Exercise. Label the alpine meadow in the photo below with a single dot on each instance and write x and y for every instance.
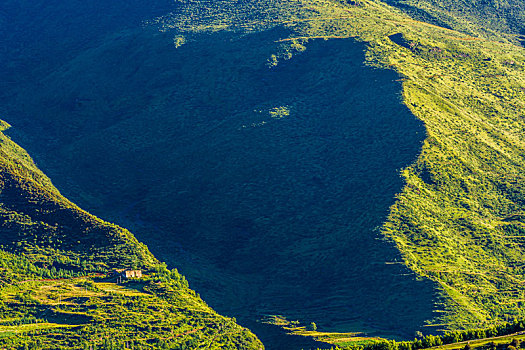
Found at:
(234, 174)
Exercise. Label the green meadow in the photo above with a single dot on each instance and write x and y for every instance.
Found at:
(354, 164)
(58, 288)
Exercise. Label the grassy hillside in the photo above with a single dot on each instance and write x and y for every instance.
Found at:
(248, 144)
(56, 288)
(215, 155)
(499, 336)
(458, 220)
(487, 19)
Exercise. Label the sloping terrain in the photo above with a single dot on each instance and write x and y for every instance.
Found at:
(458, 219)
(36, 219)
(55, 286)
(248, 144)
(263, 184)
(487, 19)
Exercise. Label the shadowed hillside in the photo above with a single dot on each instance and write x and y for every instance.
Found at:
(248, 144)
(489, 18)
(57, 290)
(272, 178)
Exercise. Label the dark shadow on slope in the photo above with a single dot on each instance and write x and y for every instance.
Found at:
(399, 39)
(264, 186)
(521, 38)
(38, 35)
(417, 13)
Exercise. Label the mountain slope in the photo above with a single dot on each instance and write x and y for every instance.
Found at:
(247, 144)
(221, 164)
(56, 287)
(488, 19)
(457, 222)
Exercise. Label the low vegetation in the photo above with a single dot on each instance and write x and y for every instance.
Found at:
(458, 223)
(496, 337)
(59, 272)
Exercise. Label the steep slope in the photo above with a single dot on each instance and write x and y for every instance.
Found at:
(489, 18)
(220, 137)
(458, 221)
(220, 164)
(56, 287)
(37, 219)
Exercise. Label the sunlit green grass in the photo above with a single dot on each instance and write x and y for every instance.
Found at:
(458, 221)
(455, 221)
(56, 287)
